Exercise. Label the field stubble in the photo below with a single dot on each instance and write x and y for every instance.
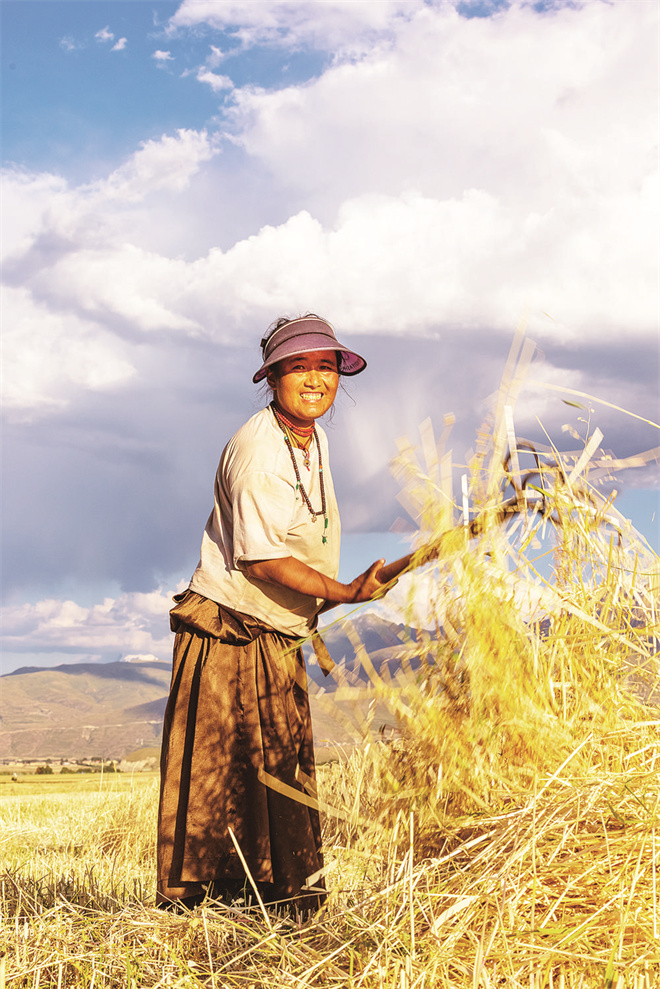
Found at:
(507, 837)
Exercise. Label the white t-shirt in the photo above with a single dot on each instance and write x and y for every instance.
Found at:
(259, 515)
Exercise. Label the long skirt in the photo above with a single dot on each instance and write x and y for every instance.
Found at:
(237, 758)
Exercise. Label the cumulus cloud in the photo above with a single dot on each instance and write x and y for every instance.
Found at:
(48, 357)
(117, 628)
(471, 193)
(168, 163)
(555, 156)
(125, 282)
(120, 45)
(44, 206)
(407, 264)
(161, 56)
(558, 125)
(325, 24)
(46, 218)
(70, 271)
(404, 264)
(26, 199)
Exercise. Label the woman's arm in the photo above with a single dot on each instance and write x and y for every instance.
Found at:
(297, 576)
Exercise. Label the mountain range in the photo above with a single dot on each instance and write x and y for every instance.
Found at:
(87, 710)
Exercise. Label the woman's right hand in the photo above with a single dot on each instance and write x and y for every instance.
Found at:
(367, 585)
(297, 576)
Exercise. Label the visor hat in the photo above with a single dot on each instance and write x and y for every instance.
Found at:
(304, 336)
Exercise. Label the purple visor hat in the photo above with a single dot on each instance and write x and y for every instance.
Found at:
(303, 336)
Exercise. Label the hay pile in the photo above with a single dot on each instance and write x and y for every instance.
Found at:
(522, 796)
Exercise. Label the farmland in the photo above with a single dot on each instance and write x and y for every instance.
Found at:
(556, 888)
(506, 836)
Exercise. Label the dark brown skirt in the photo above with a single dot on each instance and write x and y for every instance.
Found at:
(237, 751)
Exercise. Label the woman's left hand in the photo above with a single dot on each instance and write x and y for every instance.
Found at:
(367, 585)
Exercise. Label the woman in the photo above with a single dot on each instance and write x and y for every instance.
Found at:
(237, 765)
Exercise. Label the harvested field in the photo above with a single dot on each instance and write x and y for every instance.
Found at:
(507, 836)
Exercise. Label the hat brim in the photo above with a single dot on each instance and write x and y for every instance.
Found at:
(349, 363)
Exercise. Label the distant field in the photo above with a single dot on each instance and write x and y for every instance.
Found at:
(70, 783)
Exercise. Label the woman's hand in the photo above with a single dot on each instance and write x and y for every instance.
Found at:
(367, 585)
(296, 575)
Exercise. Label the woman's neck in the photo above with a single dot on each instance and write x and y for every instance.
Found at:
(298, 426)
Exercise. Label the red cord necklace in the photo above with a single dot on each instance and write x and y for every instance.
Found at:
(302, 435)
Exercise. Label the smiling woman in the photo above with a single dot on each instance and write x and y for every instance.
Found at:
(305, 386)
(237, 765)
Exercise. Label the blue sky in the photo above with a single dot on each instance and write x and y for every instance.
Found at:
(177, 175)
(90, 102)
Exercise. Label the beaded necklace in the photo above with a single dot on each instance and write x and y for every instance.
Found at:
(281, 421)
(300, 436)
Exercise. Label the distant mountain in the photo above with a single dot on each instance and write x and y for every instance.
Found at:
(84, 710)
(81, 710)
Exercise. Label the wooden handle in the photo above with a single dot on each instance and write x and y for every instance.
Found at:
(410, 562)
(392, 570)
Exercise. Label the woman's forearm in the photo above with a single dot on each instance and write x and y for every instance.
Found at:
(297, 576)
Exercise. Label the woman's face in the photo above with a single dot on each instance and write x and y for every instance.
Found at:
(304, 386)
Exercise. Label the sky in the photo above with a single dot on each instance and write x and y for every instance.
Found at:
(423, 174)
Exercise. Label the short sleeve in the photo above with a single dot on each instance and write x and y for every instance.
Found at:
(263, 506)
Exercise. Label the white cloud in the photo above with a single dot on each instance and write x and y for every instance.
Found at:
(72, 274)
(399, 264)
(212, 79)
(105, 34)
(540, 181)
(48, 356)
(120, 45)
(440, 191)
(69, 44)
(129, 625)
(161, 56)
(25, 200)
(124, 285)
(41, 206)
(216, 57)
(325, 24)
(166, 164)
(412, 263)
(573, 116)
(205, 73)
